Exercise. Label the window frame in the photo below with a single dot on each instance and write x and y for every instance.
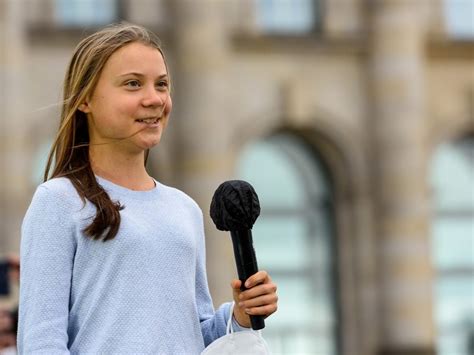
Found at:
(326, 206)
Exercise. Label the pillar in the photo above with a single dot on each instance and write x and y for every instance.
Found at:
(400, 175)
(12, 123)
(200, 122)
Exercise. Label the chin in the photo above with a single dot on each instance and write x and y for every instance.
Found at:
(149, 142)
(149, 145)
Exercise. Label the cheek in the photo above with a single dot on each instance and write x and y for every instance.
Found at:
(169, 105)
(126, 105)
(117, 102)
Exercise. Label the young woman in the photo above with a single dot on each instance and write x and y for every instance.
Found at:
(113, 261)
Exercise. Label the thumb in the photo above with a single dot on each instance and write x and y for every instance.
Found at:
(235, 284)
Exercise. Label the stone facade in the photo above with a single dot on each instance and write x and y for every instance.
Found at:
(375, 90)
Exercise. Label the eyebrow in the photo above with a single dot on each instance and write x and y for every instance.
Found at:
(142, 75)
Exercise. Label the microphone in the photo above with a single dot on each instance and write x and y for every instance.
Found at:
(234, 208)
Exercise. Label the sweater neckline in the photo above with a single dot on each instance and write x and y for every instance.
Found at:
(115, 189)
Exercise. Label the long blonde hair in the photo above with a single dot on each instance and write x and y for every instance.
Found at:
(69, 155)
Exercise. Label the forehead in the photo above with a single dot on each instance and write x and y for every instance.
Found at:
(135, 57)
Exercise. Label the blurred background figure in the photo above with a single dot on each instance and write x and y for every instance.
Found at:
(9, 277)
(353, 120)
(7, 336)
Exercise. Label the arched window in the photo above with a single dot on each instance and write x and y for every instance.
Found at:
(71, 13)
(459, 18)
(287, 16)
(294, 239)
(452, 180)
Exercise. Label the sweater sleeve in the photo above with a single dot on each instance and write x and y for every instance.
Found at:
(47, 252)
(213, 323)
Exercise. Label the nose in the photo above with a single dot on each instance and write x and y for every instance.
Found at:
(153, 98)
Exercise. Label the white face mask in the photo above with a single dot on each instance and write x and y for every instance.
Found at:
(248, 342)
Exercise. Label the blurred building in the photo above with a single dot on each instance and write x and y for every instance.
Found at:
(353, 119)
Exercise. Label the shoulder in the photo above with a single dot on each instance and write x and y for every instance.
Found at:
(57, 192)
(55, 207)
(57, 184)
(180, 197)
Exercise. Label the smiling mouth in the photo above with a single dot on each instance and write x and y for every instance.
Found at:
(150, 120)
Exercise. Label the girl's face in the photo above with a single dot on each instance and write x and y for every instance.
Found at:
(131, 103)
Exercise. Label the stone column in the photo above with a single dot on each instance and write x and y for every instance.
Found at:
(13, 124)
(3, 44)
(12, 127)
(200, 122)
(400, 175)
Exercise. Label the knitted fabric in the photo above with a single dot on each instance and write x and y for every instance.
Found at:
(144, 292)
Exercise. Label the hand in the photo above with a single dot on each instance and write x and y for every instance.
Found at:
(260, 298)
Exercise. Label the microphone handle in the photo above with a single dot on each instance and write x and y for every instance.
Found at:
(246, 262)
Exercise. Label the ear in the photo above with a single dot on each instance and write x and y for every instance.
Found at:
(84, 107)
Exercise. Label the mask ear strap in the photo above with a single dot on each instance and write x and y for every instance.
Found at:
(229, 329)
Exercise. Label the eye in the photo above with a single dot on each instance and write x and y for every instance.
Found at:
(163, 84)
(134, 84)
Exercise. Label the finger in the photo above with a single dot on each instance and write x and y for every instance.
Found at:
(262, 289)
(265, 310)
(257, 278)
(259, 301)
(235, 284)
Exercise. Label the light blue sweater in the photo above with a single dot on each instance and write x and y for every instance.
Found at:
(144, 292)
